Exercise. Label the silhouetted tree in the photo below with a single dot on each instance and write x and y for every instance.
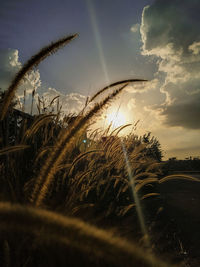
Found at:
(153, 148)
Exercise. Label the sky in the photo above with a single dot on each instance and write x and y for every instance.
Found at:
(157, 40)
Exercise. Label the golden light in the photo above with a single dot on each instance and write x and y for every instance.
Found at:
(116, 119)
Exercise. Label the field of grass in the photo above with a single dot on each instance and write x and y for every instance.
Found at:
(69, 196)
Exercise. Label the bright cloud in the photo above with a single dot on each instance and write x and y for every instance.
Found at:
(71, 103)
(195, 48)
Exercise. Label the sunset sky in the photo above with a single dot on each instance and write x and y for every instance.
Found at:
(158, 40)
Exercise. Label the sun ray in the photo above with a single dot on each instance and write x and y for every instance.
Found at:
(98, 40)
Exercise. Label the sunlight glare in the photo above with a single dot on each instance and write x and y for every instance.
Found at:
(116, 119)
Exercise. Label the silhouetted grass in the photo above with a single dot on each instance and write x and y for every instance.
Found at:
(45, 164)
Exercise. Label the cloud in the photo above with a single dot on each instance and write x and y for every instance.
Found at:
(170, 32)
(71, 103)
(135, 28)
(131, 104)
(195, 48)
(9, 66)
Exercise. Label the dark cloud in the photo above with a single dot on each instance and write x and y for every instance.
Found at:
(170, 30)
(174, 22)
(183, 114)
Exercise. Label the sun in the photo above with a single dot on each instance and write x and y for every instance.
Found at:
(116, 119)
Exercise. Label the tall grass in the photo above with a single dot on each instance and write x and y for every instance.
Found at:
(48, 166)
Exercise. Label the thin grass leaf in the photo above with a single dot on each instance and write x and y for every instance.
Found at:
(51, 103)
(39, 122)
(154, 165)
(115, 129)
(82, 176)
(83, 155)
(150, 195)
(119, 179)
(126, 209)
(143, 175)
(64, 166)
(42, 152)
(178, 177)
(80, 207)
(123, 127)
(12, 149)
(107, 130)
(145, 182)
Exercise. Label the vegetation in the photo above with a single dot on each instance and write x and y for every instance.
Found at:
(50, 175)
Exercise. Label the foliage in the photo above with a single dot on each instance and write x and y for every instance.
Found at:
(153, 148)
